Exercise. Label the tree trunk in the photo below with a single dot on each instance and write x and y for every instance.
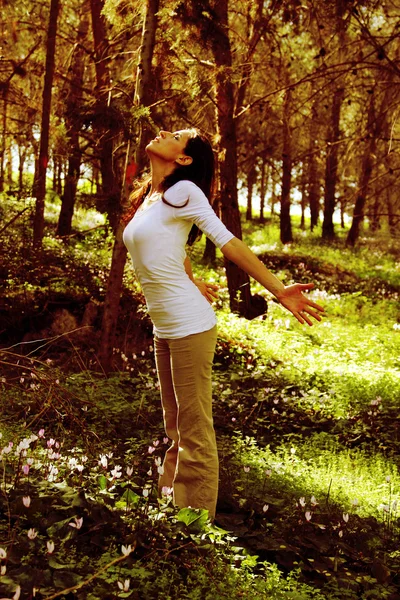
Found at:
(328, 230)
(263, 189)
(365, 175)
(142, 94)
(73, 103)
(285, 222)
(251, 179)
(22, 152)
(3, 138)
(40, 175)
(303, 192)
(210, 253)
(274, 197)
(238, 280)
(9, 167)
(389, 204)
(313, 180)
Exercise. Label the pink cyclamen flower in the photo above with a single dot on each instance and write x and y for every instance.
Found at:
(41, 433)
(302, 502)
(3, 553)
(345, 517)
(126, 550)
(145, 493)
(129, 471)
(246, 469)
(151, 449)
(166, 491)
(124, 586)
(165, 440)
(3, 569)
(32, 533)
(25, 469)
(265, 507)
(50, 546)
(26, 500)
(308, 515)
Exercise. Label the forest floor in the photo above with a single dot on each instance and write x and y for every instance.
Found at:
(306, 419)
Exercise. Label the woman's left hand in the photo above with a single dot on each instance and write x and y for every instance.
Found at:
(299, 305)
(209, 290)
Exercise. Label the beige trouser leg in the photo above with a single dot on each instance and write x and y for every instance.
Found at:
(191, 463)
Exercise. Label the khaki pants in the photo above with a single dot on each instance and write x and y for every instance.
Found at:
(191, 463)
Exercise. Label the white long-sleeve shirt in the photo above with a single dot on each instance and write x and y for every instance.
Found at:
(156, 239)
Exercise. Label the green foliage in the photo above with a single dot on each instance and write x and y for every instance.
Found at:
(306, 424)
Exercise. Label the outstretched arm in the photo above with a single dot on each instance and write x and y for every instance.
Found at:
(208, 290)
(291, 296)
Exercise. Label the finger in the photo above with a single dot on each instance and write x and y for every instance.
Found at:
(313, 314)
(304, 318)
(213, 294)
(316, 306)
(305, 286)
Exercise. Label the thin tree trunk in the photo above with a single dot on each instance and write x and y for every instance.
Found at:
(238, 280)
(40, 175)
(263, 189)
(365, 175)
(3, 138)
(9, 167)
(274, 197)
(391, 220)
(313, 181)
(285, 222)
(21, 162)
(251, 179)
(114, 287)
(73, 103)
(332, 158)
(303, 192)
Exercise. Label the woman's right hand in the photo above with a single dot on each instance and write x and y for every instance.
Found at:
(208, 290)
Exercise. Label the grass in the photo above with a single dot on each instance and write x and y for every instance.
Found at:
(306, 423)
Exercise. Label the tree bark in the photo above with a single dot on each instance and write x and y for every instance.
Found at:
(285, 222)
(40, 174)
(332, 158)
(263, 189)
(142, 94)
(251, 179)
(365, 175)
(238, 281)
(73, 105)
(313, 179)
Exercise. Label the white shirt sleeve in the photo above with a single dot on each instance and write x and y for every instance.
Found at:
(191, 204)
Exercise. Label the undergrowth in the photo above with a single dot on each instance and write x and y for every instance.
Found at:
(306, 419)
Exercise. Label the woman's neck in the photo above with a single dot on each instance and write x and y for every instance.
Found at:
(159, 171)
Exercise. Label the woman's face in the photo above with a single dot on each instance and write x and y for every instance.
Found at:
(170, 146)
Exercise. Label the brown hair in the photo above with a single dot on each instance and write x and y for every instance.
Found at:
(200, 171)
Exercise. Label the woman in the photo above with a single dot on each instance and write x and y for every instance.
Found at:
(170, 207)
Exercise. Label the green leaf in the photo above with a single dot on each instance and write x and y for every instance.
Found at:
(66, 579)
(194, 518)
(54, 529)
(56, 565)
(130, 497)
(102, 481)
